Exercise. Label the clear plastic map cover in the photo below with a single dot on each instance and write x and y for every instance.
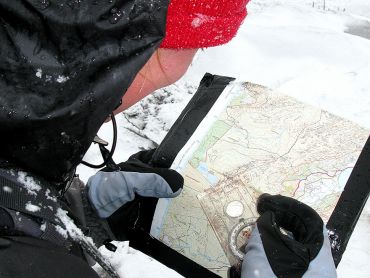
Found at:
(254, 140)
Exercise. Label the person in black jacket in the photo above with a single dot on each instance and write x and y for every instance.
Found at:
(64, 67)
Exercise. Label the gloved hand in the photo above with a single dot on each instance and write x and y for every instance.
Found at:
(109, 191)
(302, 250)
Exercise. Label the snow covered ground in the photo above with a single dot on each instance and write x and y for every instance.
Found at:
(319, 56)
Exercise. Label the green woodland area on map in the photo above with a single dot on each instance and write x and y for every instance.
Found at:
(217, 131)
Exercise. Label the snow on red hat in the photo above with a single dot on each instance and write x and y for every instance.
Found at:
(203, 23)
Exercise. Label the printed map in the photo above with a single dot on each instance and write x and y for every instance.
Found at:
(254, 140)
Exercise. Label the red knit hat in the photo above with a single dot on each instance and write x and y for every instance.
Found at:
(203, 23)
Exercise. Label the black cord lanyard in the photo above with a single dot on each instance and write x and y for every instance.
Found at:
(111, 152)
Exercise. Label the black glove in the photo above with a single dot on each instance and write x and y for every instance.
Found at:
(289, 241)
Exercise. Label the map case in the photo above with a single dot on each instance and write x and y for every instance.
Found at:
(251, 140)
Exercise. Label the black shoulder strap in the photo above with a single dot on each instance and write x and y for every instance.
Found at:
(38, 201)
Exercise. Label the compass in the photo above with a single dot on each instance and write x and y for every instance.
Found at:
(240, 235)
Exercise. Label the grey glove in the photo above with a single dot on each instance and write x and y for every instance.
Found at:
(109, 191)
(300, 249)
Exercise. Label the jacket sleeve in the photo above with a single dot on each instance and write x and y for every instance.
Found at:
(30, 257)
(203, 23)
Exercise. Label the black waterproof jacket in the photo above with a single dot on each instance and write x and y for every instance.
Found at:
(64, 67)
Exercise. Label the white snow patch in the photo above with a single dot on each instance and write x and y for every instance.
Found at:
(131, 263)
(28, 182)
(62, 78)
(32, 208)
(201, 19)
(48, 78)
(334, 239)
(7, 189)
(49, 197)
(39, 73)
(61, 231)
(11, 172)
(72, 230)
(43, 227)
